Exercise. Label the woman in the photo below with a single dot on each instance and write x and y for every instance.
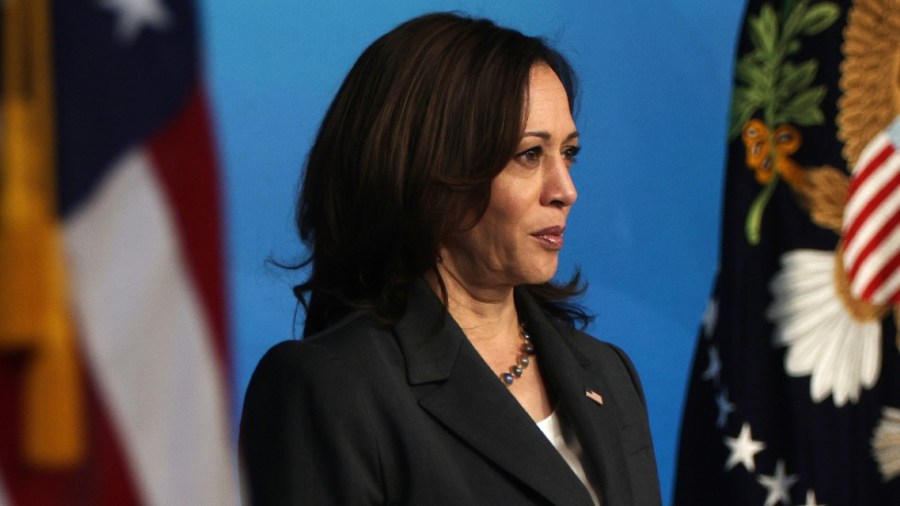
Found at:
(441, 365)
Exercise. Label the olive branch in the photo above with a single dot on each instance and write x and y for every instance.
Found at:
(778, 87)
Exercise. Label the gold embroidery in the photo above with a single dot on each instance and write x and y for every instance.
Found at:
(870, 74)
(825, 196)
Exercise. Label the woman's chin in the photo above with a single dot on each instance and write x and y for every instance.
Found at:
(541, 275)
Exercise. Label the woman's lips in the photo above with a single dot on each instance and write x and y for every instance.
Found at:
(550, 237)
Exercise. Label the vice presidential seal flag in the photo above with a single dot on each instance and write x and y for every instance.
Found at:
(795, 391)
(113, 350)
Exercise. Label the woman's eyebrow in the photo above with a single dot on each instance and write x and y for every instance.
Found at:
(543, 134)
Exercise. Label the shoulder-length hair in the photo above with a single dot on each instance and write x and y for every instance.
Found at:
(429, 114)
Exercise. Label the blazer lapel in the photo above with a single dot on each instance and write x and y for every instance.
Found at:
(461, 391)
(567, 374)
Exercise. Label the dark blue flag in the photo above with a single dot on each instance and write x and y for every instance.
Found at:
(795, 390)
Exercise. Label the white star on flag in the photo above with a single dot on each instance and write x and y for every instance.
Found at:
(134, 15)
(725, 407)
(743, 449)
(715, 365)
(811, 499)
(710, 318)
(778, 485)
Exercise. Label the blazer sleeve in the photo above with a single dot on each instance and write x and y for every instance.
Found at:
(304, 433)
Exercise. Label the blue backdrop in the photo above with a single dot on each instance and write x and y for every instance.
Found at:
(655, 80)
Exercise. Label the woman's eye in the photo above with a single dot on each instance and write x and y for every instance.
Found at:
(571, 153)
(531, 155)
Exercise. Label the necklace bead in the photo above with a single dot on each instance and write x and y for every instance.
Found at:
(516, 370)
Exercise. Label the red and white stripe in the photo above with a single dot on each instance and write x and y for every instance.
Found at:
(152, 322)
(872, 221)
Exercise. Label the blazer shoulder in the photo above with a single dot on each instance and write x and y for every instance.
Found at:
(306, 433)
(327, 353)
(593, 348)
(605, 356)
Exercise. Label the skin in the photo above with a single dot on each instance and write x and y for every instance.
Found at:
(518, 239)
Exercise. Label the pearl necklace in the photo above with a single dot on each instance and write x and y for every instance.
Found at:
(522, 361)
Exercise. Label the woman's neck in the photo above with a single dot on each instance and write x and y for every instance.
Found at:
(483, 313)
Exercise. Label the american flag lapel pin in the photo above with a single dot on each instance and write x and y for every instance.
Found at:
(594, 396)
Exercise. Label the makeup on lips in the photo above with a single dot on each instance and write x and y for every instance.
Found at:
(550, 237)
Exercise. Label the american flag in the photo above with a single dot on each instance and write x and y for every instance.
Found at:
(114, 369)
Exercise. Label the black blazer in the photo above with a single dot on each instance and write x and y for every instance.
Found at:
(365, 413)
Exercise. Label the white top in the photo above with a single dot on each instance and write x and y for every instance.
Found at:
(566, 443)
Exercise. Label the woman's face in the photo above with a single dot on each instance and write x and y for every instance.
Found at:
(518, 239)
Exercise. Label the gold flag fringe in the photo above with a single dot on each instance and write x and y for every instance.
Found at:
(34, 310)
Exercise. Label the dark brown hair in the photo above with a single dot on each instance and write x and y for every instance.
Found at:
(429, 114)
